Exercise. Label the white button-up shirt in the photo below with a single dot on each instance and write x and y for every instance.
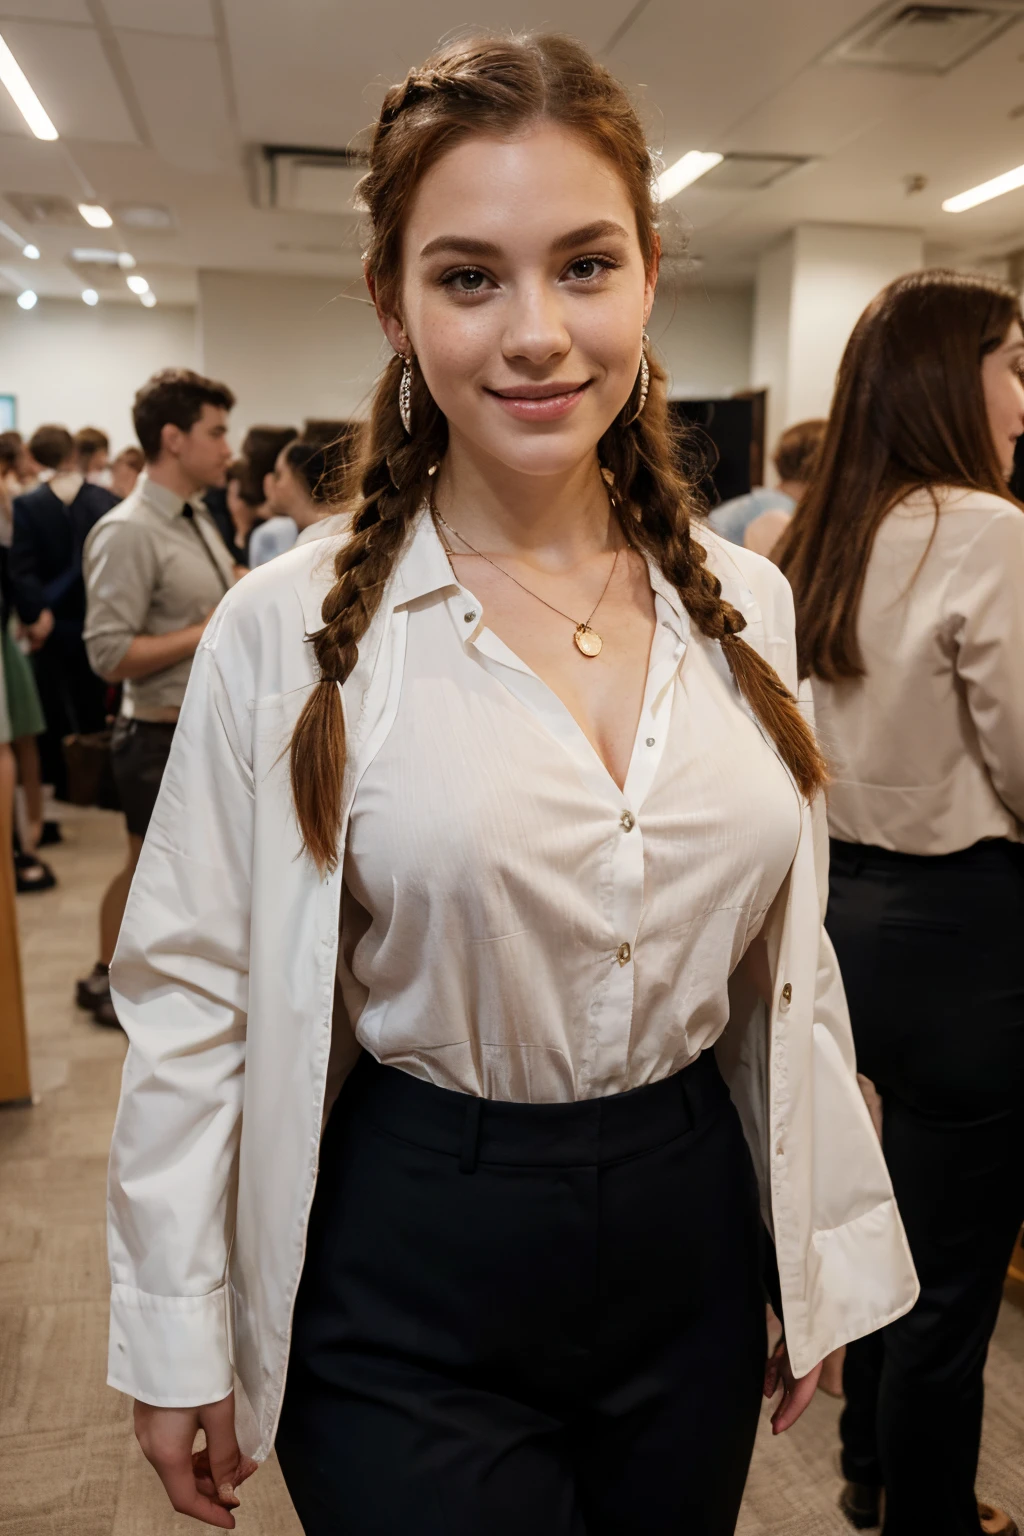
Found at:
(514, 924)
(225, 979)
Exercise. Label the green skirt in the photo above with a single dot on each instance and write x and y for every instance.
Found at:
(23, 706)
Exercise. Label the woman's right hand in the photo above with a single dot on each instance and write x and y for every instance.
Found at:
(198, 1483)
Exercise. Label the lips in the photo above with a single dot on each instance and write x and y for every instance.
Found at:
(551, 391)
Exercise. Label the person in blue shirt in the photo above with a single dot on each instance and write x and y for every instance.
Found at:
(758, 519)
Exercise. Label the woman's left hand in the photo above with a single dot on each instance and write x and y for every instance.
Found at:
(796, 1392)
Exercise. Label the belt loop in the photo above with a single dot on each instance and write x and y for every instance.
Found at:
(471, 1135)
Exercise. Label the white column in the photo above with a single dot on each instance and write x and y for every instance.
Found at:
(812, 287)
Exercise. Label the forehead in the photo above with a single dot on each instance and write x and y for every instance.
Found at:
(519, 193)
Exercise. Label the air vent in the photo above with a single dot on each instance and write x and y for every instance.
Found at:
(925, 39)
(151, 217)
(748, 173)
(38, 208)
(307, 180)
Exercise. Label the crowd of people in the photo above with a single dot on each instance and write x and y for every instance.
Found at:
(98, 624)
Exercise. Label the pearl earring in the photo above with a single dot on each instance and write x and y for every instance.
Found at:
(645, 378)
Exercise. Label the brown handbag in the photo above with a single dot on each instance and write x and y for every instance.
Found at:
(90, 770)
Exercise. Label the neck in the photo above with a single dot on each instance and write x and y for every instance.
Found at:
(791, 488)
(503, 511)
(169, 474)
(304, 512)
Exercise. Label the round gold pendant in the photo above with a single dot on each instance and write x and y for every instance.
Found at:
(588, 641)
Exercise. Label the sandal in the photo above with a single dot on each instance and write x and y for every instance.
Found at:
(31, 874)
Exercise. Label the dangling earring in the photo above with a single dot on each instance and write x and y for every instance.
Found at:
(645, 378)
(405, 395)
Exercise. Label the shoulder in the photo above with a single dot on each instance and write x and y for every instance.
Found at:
(97, 498)
(30, 501)
(125, 527)
(743, 572)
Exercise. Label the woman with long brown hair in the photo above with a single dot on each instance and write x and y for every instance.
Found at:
(906, 559)
(498, 807)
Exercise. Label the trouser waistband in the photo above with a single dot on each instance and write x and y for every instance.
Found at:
(586, 1132)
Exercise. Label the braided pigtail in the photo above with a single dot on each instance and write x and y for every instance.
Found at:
(393, 476)
(643, 457)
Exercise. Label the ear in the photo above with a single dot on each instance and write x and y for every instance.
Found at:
(268, 483)
(391, 325)
(651, 280)
(170, 439)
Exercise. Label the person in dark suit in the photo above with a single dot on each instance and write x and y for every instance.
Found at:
(50, 527)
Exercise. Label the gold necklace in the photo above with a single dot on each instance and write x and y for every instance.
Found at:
(586, 640)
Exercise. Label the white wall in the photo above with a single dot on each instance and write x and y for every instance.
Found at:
(289, 347)
(704, 336)
(80, 367)
(811, 289)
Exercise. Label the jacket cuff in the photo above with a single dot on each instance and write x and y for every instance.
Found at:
(170, 1351)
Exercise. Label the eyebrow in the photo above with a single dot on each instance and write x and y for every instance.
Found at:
(464, 245)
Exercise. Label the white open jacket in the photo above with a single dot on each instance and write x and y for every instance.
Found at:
(224, 980)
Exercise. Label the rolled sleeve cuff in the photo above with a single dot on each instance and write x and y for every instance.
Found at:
(170, 1351)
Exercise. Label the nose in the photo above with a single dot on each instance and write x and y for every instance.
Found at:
(535, 329)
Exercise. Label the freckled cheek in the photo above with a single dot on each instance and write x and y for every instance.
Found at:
(456, 350)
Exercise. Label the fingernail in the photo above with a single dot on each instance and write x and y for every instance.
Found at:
(226, 1494)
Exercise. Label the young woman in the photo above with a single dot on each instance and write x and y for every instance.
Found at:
(295, 499)
(907, 561)
(506, 795)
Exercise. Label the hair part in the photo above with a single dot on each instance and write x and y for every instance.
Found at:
(174, 397)
(908, 414)
(501, 87)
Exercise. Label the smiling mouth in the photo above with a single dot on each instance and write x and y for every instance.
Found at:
(539, 391)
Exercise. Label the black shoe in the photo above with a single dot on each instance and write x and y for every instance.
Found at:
(94, 990)
(105, 1015)
(51, 834)
(861, 1503)
(31, 874)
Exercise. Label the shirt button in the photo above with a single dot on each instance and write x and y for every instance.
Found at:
(470, 617)
(623, 954)
(787, 995)
(650, 741)
(628, 821)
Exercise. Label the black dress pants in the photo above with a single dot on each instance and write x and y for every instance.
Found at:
(527, 1320)
(73, 699)
(932, 956)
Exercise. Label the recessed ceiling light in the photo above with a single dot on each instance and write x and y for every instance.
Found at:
(31, 252)
(137, 284)
(125, 260)
(27, 299)
(93, 214)
(685, 171)
(986, 191)
(148, 299)
(90, 296)
(24, 97)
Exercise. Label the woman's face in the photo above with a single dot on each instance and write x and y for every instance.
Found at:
(1004, 394)
(524, 297)
(281, 487)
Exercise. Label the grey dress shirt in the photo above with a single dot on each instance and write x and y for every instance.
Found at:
(149, 570)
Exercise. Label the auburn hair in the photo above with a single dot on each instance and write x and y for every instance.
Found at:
(909, 414)
(501, 86)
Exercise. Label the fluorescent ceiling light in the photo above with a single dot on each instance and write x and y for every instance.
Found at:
(23, 96)
(27, 299)
(1008, 182)
(90, 296)
(31, 252)
(137, 284)
(693, 165)
(148, 299)
(93, 214)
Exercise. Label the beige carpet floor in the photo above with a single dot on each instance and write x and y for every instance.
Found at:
(69, 1465)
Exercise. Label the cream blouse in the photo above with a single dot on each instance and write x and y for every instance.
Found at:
(927, 749)
(516, 926)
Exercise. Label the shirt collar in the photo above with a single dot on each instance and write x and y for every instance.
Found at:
(169, 503)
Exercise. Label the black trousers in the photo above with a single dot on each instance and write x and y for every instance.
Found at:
(932, 956)
(138, 756)
(527, 1320)
(73, 699)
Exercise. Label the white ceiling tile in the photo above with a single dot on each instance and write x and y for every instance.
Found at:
(181, 91)
(45, 10)
(179, 18)
(69, 73)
